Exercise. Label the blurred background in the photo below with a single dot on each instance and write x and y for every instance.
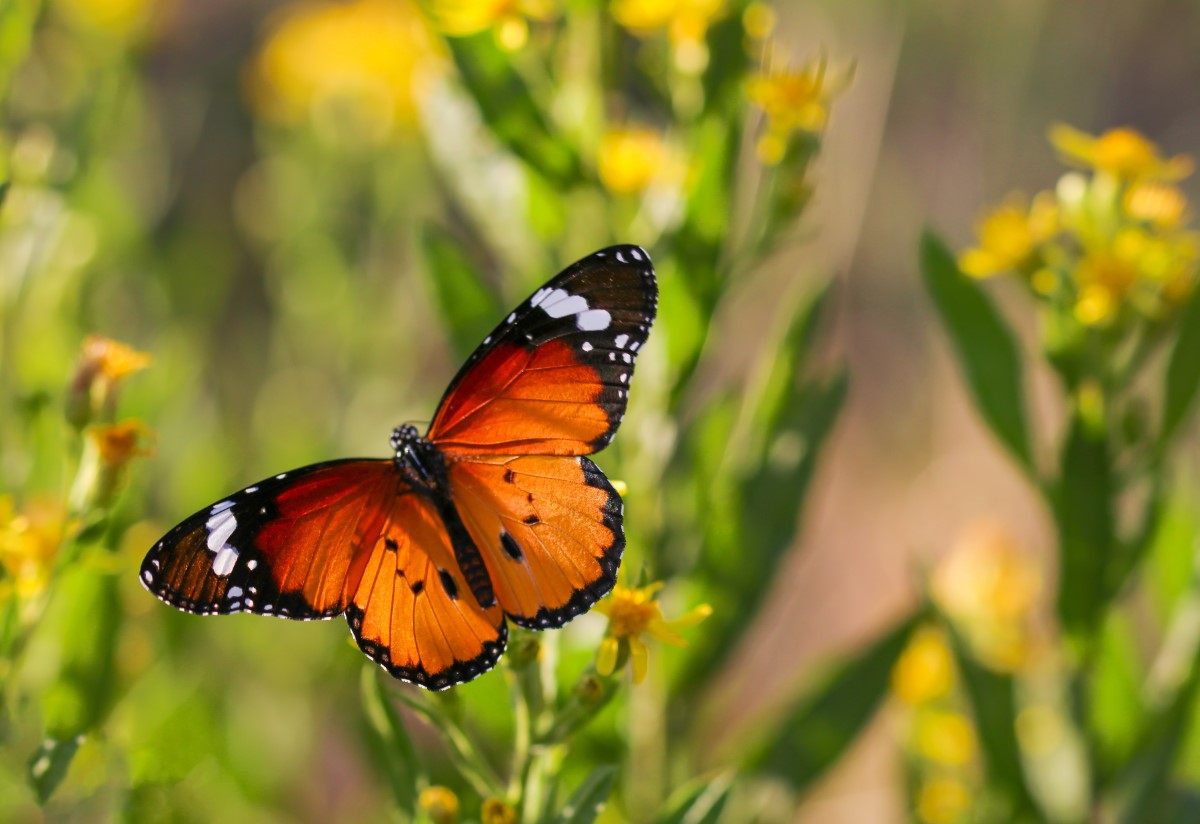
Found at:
(183, 182)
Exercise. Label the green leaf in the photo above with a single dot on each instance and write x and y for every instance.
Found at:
(508, 107)
(393, 749)
(814, 733)
(728, 60)
(993, 704)
(1183, 372)
(984, 345)
(587, 802)
(1140, 792)
(466, 302)
(1116, 707)
(87, 615)
(49, 765)
(1084, 517)
(698, 802)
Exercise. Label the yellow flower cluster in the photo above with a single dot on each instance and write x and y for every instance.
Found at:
(29, 542)
(636, 158)
(941, 739)
(633, 612)
(1110, 246)
(507, 18)
(365, 61)
(991, 589)
(793, 100)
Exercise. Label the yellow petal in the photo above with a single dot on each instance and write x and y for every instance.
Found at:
(606, 657)
(639, 656)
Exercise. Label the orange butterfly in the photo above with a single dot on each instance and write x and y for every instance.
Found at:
(493, 513)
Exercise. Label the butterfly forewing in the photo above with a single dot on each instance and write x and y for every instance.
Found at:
(291, 545)
(553, 378)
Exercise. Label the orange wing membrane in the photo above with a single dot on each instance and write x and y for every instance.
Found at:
(494, 512)
(413, 611)
(553, 378)
(291, 545)
(549, 530)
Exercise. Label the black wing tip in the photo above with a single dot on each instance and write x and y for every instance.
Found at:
(459, 673)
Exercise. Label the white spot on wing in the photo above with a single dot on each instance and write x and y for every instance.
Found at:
(250, 490)
(539, 296)
(221, 507)
(586, 347)
(234, 592)
(225, 561)
(220, 526)
(619, 258)
(251, 564)
(636, 253)
(512, 316)
(559, 304)
(593, 320)
(147, 576)
(621, 340)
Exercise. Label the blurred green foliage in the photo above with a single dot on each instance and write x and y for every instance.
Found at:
(308, 223)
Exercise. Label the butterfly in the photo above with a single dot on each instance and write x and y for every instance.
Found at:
(495, 514)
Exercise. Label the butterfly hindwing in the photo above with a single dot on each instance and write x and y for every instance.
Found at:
(549, 529)
(287, 546)
(413, 611)
(553, 378)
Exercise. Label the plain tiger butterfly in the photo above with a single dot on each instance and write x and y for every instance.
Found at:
(494, 514)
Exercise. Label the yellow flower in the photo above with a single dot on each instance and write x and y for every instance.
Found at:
(495, 811)
(107, 451)
(29, 542)
(943, 800)
(634, 158)
(793, 100)
(944, 737)
(925, 670)
(322, 61)
(633, 612)
(460, 18)
(440, 803)
(120, 19)
(1009, 236)
(1123, 152)
(685, 21)
(103, 365)
(991, 589)
(1159, 203)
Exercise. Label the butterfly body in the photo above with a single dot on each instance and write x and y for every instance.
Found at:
(495, 514)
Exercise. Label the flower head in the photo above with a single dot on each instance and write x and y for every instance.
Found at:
(633, 159)
(440, 804)
(793, 100)
(107, 452)
(1010, 236)
(29, 543)
(495, 811)
(103, 366)
(1123, 153)
(507, 18)
(633, 612)
(684, 21)
(925, 670)
(324, 61)
(991, 588)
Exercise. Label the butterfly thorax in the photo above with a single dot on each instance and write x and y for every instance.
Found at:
(419, 461)
(422, 465)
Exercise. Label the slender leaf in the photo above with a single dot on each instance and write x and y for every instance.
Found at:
(509, 108)
(587, 802)
(1183, 372)
(984, 345)
(1084, 516)
(818, 729)
(698, 802)
(49, 765)
(466, 302)
(1140, 792)
(393, 748)
(993, 703)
